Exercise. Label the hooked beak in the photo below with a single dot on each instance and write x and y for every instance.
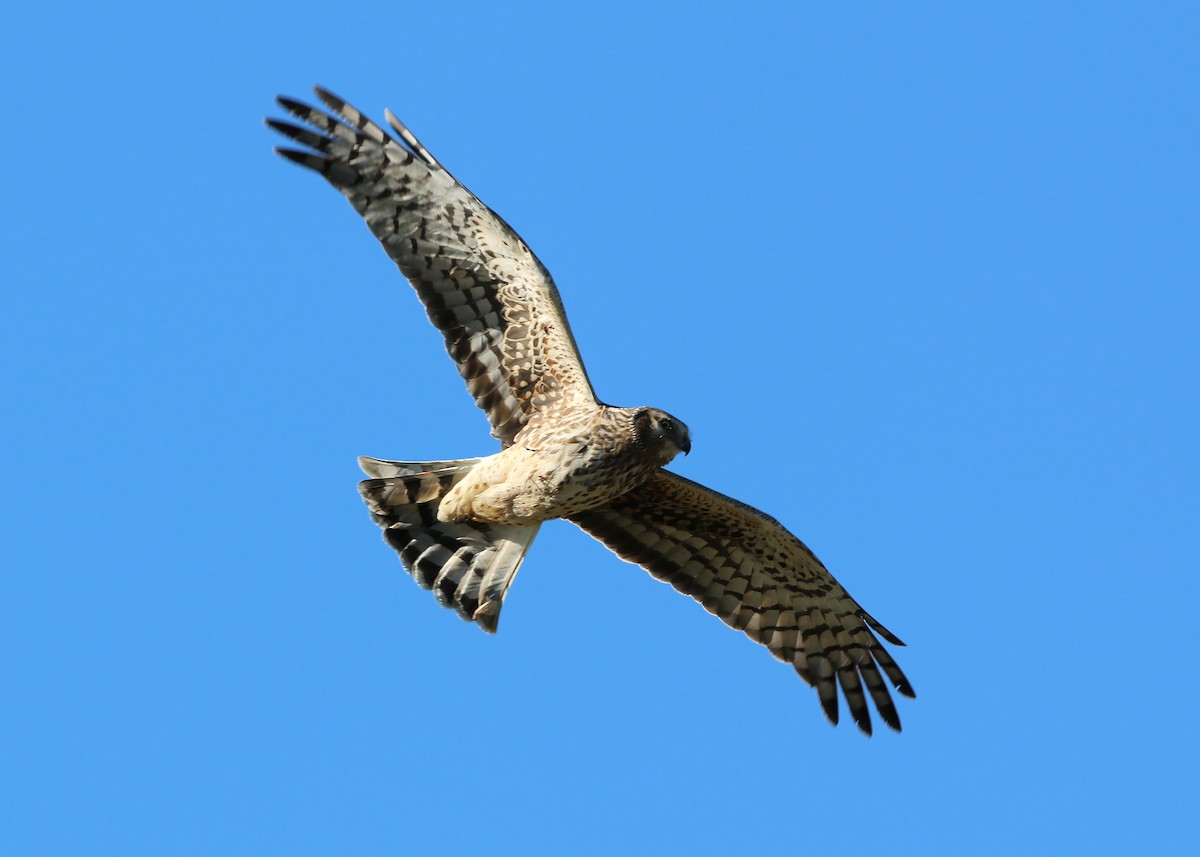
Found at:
(685, 442)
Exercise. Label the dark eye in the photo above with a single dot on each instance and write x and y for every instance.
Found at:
(667, 426)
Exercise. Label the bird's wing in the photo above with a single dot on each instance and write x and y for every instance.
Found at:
(483, 288)
(744, 567)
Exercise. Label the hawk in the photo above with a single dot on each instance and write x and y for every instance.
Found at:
(462, 527)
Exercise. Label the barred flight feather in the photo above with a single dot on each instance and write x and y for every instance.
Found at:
(745, 568)
(469, 565)
(494, 302)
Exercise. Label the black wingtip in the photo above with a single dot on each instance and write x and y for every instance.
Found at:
(830, 707)
(339, 175)
(888, 714)
(287, 129)
(303, 136)
(291, 105)
(330, 99)
(304, 159)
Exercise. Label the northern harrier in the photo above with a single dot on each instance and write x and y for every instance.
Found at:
(463, 527)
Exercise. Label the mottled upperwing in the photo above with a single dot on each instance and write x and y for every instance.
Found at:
(744, 567)
(493, 301)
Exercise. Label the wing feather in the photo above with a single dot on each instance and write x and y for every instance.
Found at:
(757, 577)
(493, 301)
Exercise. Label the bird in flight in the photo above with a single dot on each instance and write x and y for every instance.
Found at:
(462, 527)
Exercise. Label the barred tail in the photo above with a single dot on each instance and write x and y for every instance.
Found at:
(468, 565)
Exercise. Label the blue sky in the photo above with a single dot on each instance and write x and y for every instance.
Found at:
(922, 281)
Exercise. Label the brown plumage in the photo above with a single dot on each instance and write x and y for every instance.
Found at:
(463, 527)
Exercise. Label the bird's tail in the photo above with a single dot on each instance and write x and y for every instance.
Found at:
(468, 565)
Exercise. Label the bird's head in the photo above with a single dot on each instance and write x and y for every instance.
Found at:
(662, 434)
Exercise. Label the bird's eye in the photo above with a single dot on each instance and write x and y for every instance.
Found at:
(667, 426)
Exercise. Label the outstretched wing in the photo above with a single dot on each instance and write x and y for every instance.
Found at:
(744, 567)
(493, 301)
